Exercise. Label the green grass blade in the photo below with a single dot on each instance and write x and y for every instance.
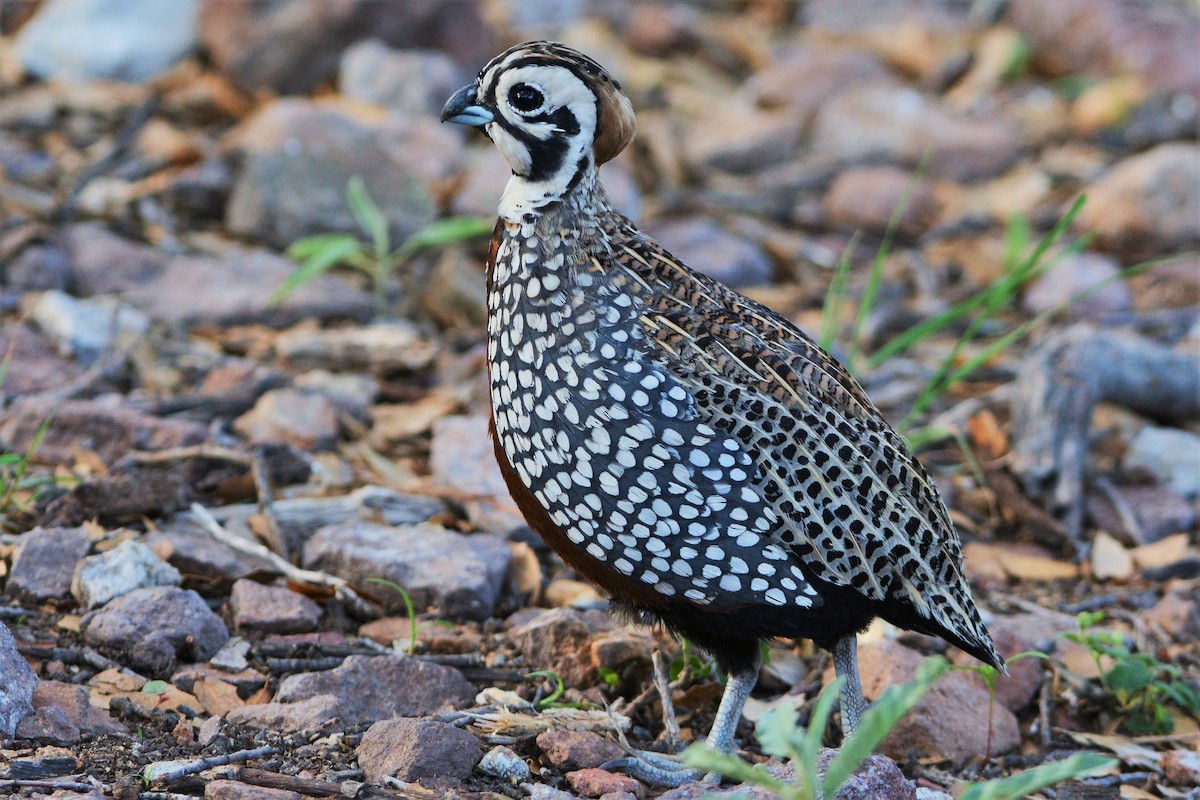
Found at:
(875, 278)
(320, 257)
(1018, 272)
(702, 757)
(878, 722)
(451, 230)
(1026, 783)
(835, 295)
(368, 216)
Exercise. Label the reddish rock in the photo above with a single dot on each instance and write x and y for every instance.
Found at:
(271, 609)
(1148, 204)
(1177, 613)
(111, 432)
(1016, 690)
(1182, 767)
(302, 419)
(949, 723)
(627, 653)
(598, 782)
(63, 715)
(412, 749)
(866, 198)
(557, 639)
(461, 457)
(235, 790)
(577, 749)
(877, 779)
(872, 123)
(1107, 38)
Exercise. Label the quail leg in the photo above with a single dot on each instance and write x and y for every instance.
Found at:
(845, 666)
(662, 770)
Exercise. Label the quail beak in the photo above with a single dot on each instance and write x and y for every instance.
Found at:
(462, 109)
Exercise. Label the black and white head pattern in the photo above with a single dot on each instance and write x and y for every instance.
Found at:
(558, 115)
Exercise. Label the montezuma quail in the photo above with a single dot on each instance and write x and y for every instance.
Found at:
(685, 448)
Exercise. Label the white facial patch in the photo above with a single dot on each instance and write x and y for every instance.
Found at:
(560, 89)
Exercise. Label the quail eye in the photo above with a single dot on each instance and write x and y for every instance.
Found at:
(525, 98)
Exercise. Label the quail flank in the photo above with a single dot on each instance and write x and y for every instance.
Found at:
(683, 447)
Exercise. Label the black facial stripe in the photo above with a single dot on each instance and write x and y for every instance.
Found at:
(546, 156)
(562, 118)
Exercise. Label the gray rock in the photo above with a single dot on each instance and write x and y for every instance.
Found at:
(705, 246)
(1070, 278)
(128, 566)
(105, 263)
(868, 123)
(44, 563)
(382, 348)
(34, 363)
(86, 327)
(271, 609)
(409, 81)
(1147, 204)
(303, 715)
(460, 575)
(123, 40)
(298, 156)
(238, 289)
(1172, 455)
(369, 688)
(305, 420)
(931, 794)
(38, 268)
(17, 684)
(152, 630)
(877, 779)
(194, 552)
(501, 762)
(826, 71)
(292, 47)
(411, 749)
(111, 432)
(63, 715)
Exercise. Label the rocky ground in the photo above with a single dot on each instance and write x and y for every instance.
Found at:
(200, 484)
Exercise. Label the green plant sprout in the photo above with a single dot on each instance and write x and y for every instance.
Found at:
(551, 700)
(15, 466)
(693, 663)
(780, 735)
(990, 675)
(1137, 686)
(408, 606)
(374, 256)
